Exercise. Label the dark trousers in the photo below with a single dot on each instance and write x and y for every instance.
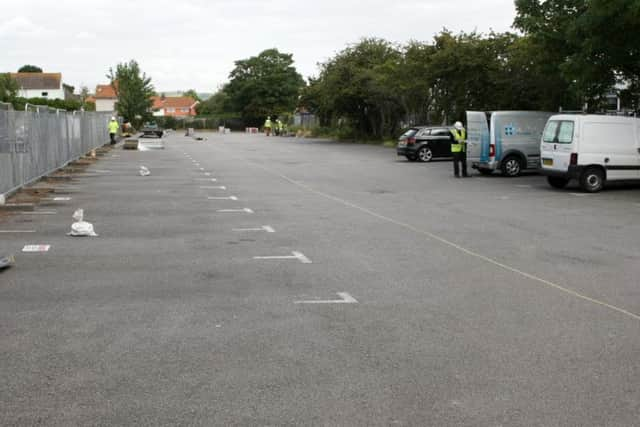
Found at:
(113, 138)
(460, 158)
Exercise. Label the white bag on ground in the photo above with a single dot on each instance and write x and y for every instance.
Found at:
(80, 228)
(144, 171)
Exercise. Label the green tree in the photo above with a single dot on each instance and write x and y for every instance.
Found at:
(134, 91)
(267, 84)
(193, 94)
(8, 88)
(30, 69)
(592, 42)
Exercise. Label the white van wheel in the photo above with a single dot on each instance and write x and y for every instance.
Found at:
(592, 180)
(511, 166)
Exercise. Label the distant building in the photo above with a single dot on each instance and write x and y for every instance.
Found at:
(40, 85)
(106, 98)
(174, 106)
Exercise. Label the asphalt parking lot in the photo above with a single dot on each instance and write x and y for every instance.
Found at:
(275, 281)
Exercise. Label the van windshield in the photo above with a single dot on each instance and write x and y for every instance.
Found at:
(558, 132)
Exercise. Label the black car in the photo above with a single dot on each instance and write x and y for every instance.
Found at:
(424, 143)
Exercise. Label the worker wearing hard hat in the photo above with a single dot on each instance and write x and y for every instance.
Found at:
(459, 149)
(267, 126)
(113, 129)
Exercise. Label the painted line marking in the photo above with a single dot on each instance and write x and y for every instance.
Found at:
(245, 210)
(17, 231)
(36, 248)
(213, 187)
(206, 179)
(581, 194)
(453, 245)
(266, 228)
(207, 174)
(345, 298)
(202, 169)
(100, 171)
(223, 198)
(294, 255)
(61, 199)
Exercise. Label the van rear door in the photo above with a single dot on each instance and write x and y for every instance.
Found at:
(477, 137)
(557, 144)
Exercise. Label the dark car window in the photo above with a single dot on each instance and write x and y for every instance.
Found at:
(409, 133)
(440, 132)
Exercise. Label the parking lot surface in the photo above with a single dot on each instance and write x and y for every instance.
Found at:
(277, 281)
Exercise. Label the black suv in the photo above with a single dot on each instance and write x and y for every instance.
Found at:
(424, 143)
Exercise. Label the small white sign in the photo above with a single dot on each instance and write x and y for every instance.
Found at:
(61, 199)
(36, 248)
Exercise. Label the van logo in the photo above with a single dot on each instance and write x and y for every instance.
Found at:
(509, 130)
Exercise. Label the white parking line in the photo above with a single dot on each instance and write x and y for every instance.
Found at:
(206, 179)
(213, 187)
(581, 194)
(266, 228)
(207, 174)
(36, 248)
(462, 249)
(294, 255)
(524, 186)
(345, 298)
(17, 231)
(223, 198)
(245, 210)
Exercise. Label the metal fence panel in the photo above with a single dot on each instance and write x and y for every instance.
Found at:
(36, 143)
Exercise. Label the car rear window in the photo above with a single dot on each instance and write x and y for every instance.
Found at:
(409, 133)
(558, 132)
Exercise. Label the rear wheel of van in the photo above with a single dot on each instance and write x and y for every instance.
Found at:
(511, 166)
(592, 180)
(557, 182)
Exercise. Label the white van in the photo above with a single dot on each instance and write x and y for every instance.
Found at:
(593, 149)
(508, 141)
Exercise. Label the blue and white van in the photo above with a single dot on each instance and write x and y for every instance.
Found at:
(508, 141)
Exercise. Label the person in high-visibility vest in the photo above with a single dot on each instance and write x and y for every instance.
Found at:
(267, 126)
(278, 127)
(113, 129)
(459, 149)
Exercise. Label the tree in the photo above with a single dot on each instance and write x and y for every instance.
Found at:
(30, 69)
(193, 94)
(593, 42)
(8, 88)
(267, 84)
(134, 91)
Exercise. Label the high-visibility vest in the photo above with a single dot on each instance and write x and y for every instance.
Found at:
(113, 127)
(459, 138)
(279, 124)
(267, 124)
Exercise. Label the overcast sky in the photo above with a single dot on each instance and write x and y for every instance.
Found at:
(185, 44)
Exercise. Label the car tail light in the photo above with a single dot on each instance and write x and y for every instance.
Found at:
(492, 150)
(411, 141)
(574, 159)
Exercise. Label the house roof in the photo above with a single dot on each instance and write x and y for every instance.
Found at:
(105, 92)
(173, 102)
(38, 81)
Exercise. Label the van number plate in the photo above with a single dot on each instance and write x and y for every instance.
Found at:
(547, 162)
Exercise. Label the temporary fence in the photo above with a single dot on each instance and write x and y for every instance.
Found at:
(36, 142)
